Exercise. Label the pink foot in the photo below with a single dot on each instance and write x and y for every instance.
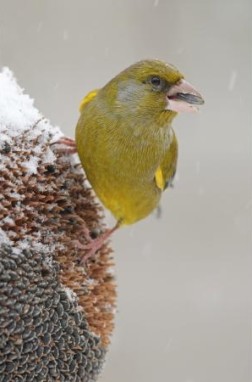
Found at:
(69, 143)
(94, 244)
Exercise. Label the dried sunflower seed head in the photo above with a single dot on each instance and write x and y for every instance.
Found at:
(56, 317)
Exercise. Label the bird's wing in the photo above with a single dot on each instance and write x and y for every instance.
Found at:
(166, 171)
(88, 98)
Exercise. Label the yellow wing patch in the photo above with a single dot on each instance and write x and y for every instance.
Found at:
(88, 98)
(159, 178)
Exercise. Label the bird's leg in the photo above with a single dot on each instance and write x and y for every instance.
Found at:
(69, 143)
(95, 244)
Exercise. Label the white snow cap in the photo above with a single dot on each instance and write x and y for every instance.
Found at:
(18, 113)
(17, 116)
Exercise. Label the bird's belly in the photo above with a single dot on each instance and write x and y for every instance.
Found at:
(129, 201)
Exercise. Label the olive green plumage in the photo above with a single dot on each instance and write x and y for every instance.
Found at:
(125, 140)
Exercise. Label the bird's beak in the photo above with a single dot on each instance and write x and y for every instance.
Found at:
(183, 97)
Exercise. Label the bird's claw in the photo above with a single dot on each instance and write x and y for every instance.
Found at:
(95, 244)
(90, 248)
(69, 143)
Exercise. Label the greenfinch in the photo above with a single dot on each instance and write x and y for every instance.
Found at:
(125, 140)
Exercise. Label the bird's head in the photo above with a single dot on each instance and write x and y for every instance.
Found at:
(151, 88)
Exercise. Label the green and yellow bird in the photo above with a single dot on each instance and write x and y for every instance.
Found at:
(126, 142)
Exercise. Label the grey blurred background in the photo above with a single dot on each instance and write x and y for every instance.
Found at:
(184, 280)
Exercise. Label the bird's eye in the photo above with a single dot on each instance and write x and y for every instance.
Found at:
(155, 81)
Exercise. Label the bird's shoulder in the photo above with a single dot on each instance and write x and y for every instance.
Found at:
(88, 97)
